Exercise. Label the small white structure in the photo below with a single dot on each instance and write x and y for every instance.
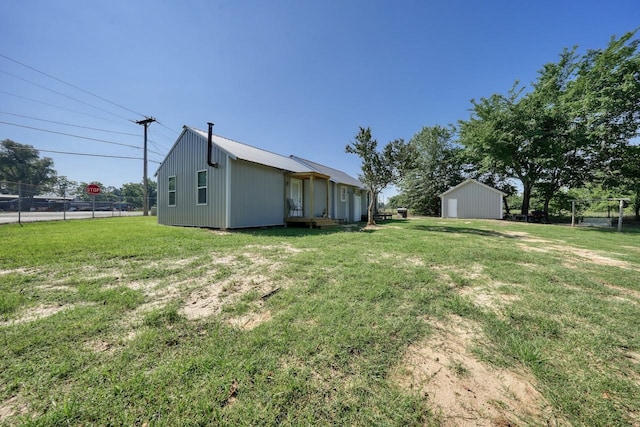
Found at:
(472, 199)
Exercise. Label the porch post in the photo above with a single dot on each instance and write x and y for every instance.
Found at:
(285, 203)
(311, 201)
(328, 210)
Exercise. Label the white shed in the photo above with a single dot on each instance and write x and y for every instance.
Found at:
(472, 199)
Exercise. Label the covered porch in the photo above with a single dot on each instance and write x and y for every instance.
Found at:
(307, 202)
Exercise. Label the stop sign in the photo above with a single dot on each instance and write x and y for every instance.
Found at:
(93, 189)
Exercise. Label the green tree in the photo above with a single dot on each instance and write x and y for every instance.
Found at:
(22, 168)
(624, 181)
(397, 201)
(577, 119)
(66, 188)
(133, 193)
(437, 167)
(379, 168)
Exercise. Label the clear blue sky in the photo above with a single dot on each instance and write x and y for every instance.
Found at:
(293, 77)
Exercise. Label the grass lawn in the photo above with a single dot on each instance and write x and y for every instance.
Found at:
(122, 321)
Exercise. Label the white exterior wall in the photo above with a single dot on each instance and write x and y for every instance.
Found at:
(473, 201)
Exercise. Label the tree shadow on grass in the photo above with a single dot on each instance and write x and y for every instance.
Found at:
(280, 231)
(463, 230)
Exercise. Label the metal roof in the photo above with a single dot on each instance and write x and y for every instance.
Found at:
(469, 181)
(238, 150)
(246, 152)
(335, 174)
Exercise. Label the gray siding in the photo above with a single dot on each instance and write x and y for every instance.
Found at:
(188, 156)
(474, 201)
(320, 197)
(257, 195)
(345, 209)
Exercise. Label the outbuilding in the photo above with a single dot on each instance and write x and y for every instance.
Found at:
(472, 199)
(207, 180)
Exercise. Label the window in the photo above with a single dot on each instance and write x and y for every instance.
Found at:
(202, 187)
(343, 194)
(172, 191)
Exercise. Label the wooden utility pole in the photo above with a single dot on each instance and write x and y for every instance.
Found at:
(146, 122)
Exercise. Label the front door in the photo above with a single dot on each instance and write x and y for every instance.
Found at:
(357, 208)
(296, 195)
(452, 208)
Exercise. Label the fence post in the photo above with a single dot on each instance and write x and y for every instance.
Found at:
(19, 203)
(620, 215)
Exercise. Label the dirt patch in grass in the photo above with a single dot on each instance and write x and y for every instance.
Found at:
(489, 296)
(372, 227)
(284, 247)
(626, 292)
(528, 248)
(577, 253)
(446, 273)
(98, 346)
(17, 271)
(207, 301)
(255, 271)
(409, 261)
(465, 391)
(35, 313)
(592, 256)
(12, 407)
(251, 320)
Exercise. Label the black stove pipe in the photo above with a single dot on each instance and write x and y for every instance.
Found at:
(210, 147)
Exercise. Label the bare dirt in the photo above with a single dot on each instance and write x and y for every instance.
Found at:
(254, 272)
(12, 407)
(465, 391)
(35, 313)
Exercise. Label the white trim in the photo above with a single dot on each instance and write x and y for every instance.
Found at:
(343, 193)
(469, 181)
(174, 191)
(198, 187)
(227, 220)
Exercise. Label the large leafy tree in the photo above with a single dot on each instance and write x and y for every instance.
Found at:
(22, 169)
(624, 181)
(437, 167)
(133, 193)
(576, 120)
(503, 140)
(379, 168)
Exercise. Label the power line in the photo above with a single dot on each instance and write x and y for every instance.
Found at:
(167, 128)
(62, 94)
(68, 124)
(160, 134)
(71, 135)
(94, 155)
(71, 85)
(59, 107)
(81, 154)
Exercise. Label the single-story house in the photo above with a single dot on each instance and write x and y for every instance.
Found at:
(472, 199)
(207, 180)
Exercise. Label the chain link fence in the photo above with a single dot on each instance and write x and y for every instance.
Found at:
(22, 202)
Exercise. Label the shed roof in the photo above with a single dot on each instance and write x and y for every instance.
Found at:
(336, 175)
(471, 181)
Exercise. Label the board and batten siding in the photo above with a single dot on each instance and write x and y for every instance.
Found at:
(473, 200)
(188, 156)
(256, 195)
